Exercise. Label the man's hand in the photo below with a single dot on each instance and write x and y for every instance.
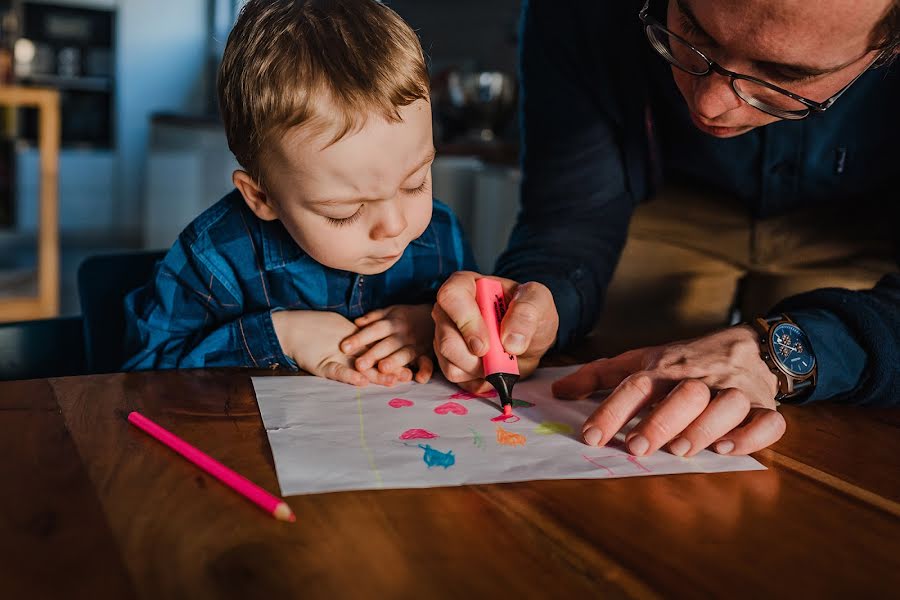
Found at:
(393, 338)
(312, 339)
(712, 391)
(460, 334)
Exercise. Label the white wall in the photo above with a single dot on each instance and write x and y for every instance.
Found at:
(161, 58)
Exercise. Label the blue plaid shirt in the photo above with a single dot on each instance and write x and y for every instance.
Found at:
(211, 299)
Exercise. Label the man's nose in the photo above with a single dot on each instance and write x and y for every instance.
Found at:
(714, 96)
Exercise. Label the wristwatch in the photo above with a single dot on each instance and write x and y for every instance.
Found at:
(787, 352)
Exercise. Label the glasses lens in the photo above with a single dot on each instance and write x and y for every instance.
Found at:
(676, 52)
(768, 100)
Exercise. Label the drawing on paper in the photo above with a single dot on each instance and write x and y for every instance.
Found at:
(508, 438)
(418, 434)
(327, 436)
(436, 458)
(477, 440)
(400, 403)
(451, 407)
(506, 419)
(619, 465)
(553, 428)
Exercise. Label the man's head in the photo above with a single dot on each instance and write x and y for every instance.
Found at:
(812, 49)
(326, 108)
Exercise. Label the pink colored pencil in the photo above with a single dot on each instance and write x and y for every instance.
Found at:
(273, 505)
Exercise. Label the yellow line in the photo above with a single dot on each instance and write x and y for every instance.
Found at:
(362, 439)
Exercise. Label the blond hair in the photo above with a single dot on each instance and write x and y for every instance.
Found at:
(287, 61)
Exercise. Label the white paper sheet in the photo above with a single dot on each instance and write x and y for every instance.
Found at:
(328, 436)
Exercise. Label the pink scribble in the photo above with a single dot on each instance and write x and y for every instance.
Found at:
(400, 402)
(417, 434)
(451, 407)
(505, 419)
(633, 460)
(464, 395)
(598, 465)
(618, 461)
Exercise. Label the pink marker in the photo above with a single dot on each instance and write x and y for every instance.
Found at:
(501, 369)
(273, 505)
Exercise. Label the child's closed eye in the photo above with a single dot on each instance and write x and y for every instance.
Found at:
(346, 220)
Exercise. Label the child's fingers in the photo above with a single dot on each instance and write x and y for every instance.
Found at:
(345, 374)
(404, 375)
(366, 336)
(397, 359)
(370, 317)
(379, 378)
(385, 347)
(426, 369)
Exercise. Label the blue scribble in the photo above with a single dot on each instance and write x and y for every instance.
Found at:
(436, 458)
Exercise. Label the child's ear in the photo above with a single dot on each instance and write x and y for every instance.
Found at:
(255, 197)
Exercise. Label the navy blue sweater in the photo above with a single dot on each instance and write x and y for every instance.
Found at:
(604, 126)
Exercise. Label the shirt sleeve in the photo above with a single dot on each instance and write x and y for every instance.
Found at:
(575, 201)
(855, 336)
(186, 317)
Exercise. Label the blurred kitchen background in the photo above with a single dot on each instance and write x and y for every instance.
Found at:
(142, 149)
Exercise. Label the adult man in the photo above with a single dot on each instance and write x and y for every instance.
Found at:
(775, 117)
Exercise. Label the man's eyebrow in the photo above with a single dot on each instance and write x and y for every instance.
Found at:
(774, 67)
(333, 202)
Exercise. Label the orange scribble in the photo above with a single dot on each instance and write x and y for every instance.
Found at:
(508, 438)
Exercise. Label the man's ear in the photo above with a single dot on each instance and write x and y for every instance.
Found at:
(255, 197)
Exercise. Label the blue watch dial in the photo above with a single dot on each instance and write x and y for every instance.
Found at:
(791, 349)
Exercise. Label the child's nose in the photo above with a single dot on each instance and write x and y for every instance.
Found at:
(391, 224)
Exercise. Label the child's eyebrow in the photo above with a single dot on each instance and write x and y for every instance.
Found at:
(335, 202)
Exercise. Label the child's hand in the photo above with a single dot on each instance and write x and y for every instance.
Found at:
(399, 335)
(312, 337)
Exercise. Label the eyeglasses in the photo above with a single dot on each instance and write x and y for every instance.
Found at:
(759, 94)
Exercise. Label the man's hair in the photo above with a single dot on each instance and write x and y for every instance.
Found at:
(290, 61)
(886, 35)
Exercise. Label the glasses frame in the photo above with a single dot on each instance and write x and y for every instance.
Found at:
(651, 24)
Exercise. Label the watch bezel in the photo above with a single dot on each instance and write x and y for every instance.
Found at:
(770, 345)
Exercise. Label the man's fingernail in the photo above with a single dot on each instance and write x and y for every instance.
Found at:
(638, 445)
(680, 447)
(476, 345)
(592, 436)
(725, 446)
(515, 343)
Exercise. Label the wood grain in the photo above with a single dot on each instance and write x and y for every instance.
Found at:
(54, 538)
(177, 533)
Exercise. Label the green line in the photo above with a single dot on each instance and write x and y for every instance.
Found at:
(362, 439)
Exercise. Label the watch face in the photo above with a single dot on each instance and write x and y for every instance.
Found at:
(790, 347)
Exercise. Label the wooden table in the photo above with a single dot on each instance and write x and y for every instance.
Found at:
(93, 508)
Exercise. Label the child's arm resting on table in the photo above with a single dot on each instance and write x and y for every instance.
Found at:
(191, 317)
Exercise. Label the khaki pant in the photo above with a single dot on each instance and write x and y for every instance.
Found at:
(694, 263)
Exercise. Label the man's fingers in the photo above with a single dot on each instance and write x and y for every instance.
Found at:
(531, 309)
(456, 301)
(366, 336)
(726, 411)
(343, 373)
(618, 409)
(425, 369)
(678, 409)
(602, 374)
(456, 360)
(370, 317)
(764, 427)
(382, 349)
(398, 359)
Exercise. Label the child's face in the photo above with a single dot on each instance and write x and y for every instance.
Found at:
(354, 205)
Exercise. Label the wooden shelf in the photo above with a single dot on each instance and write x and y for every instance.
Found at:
(46, 303)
